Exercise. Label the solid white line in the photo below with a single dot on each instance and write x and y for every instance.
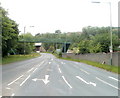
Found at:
(107, 83)
(15, 80)
(85, 71)
(35, 69)
(13, 94)
(59, 70)
(24, 80)
(30, 70)
(82, 79)
(114, 78)
(66, 82)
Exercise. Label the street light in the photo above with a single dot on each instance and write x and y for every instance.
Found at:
(111, 45)
(24, 37)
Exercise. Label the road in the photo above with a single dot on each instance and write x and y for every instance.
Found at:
(50, 76)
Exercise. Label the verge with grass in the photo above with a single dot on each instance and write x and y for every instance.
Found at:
(111, 68)
(15, 58)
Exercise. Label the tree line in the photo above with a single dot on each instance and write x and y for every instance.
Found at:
(91, 40)
(10, 36)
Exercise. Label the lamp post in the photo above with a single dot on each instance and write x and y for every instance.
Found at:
(111, 44)
(24, 37)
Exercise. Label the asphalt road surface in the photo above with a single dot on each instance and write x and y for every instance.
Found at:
(50, 76)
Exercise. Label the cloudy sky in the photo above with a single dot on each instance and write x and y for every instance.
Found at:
(65, 15)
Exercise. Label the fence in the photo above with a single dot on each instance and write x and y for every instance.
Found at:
(97, 57)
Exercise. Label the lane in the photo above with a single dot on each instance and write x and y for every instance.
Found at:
(49, 76)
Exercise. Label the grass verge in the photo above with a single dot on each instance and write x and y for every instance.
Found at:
(15, 58)
(115, 69)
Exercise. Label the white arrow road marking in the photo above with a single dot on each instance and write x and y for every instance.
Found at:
(24, 80)
(44, 80)
(114, 78)
(15, 80)
(66, 82)
(107, 83)
(94, 84)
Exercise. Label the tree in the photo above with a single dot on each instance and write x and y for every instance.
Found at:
(58, 31)
(9, 33)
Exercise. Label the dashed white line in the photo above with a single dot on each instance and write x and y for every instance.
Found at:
(35, 70)
(49, 62)
(114, 79)
(24, 80)
(85, 71)
(66, 82)
(41, 63)
(30, 70)
(59, 70)
(15, 80)
(13, 94)
(107, 83)
(8, 88)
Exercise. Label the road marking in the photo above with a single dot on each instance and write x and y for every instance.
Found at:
(91, 83)
(49, 62)
(51, 59)
(85, 71)
(108, 83)
(94, 84)
(114, 78)
(35, 70)
(82, 79)
(0, 96)
(8, 88)
(24, 80)
(44, 80)
(62, 63)
(66, 82)
(59, 70)
(41, 63)
(13, 94)
(15, 80)
(30, 70)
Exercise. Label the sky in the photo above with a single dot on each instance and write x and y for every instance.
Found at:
(64, 15)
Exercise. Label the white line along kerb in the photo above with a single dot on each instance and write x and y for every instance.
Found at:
(15, 80)
(114, 78)
(107, 83)
(66, 82)
(24, 80)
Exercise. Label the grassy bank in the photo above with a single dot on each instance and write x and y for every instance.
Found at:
(15, 58)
